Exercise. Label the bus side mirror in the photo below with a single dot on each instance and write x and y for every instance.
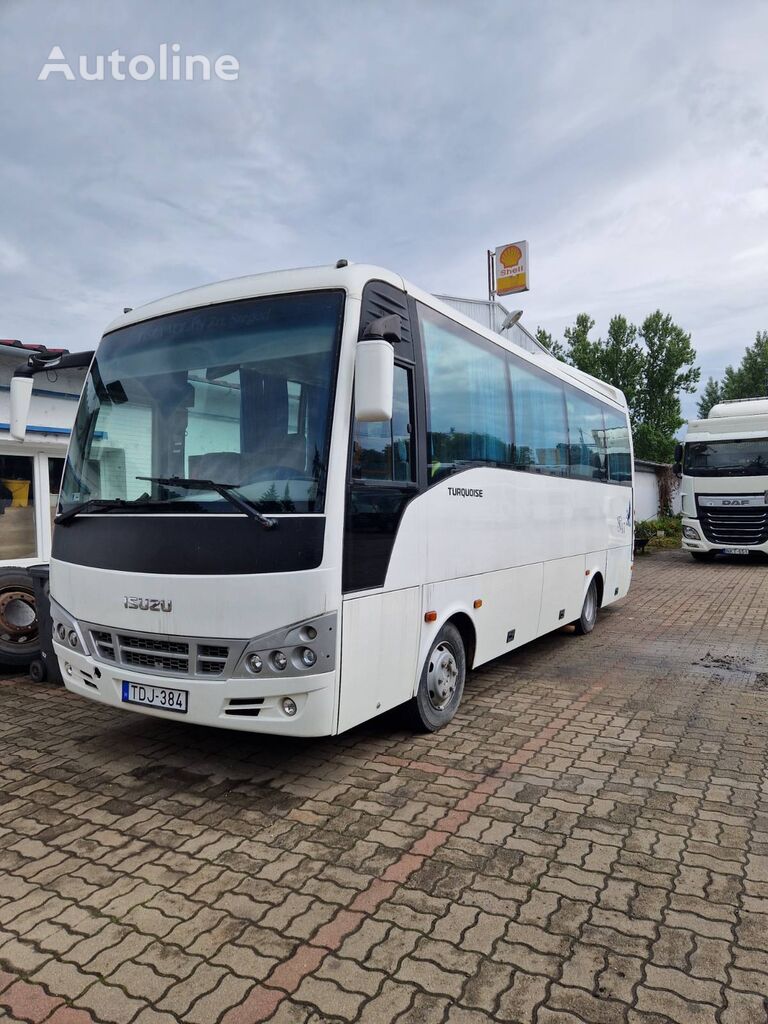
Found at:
(21, 398)
(678, 452)
(374, 380)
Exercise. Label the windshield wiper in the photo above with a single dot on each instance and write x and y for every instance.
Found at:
(227, 491)
(99, 505)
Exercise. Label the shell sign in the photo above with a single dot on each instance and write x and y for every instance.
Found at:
(511, 268)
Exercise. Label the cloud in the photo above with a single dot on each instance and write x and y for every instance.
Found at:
(627, 143)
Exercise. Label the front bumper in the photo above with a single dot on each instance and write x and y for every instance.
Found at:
(258, 706)
(702, 544)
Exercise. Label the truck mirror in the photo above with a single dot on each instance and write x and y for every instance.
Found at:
(21, 398)
(678, 452)
(677, 469)
(374, 380)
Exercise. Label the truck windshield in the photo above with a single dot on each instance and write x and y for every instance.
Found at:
(239, 393)
(727, 458)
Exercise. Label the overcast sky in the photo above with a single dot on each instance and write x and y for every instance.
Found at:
(628, 142)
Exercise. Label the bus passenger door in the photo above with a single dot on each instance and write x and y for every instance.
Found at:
(380, 631)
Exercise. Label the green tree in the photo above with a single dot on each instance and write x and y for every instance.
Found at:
(669, 371)
(750, 378)
(583, 353)
(555, 348)
(623, 363)
(653, 366)
(710, 396)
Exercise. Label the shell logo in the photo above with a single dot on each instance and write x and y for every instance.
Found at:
(510, 256)
(511, 268)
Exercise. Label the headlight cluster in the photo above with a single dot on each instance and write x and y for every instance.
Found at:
(67, 636)
(278, 660)
(690, 533)
(303, 647)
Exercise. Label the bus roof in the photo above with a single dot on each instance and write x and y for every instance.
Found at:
(352, 277)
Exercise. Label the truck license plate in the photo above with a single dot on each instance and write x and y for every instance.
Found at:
(735, 551)
(161, 697)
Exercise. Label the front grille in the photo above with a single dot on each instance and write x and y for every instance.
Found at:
(165, 655)
(732, 526)
(152, 662)
(105, 645)
(142, 643)
(211, 659)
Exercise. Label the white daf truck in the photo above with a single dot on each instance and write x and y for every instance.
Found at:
(724, 486)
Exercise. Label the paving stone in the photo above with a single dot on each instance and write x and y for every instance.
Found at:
(588, 841)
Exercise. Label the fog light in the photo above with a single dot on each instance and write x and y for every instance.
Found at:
(254, 663)
(690, 533)
(72, 637)
(61, 631)
(67, 668)
(308, 657)
(279, 660)
(289, 706)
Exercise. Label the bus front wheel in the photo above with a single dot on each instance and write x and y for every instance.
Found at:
(442, 682)
(586, 621)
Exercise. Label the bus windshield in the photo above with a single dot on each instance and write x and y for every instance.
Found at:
(239, 393)
(747, 457)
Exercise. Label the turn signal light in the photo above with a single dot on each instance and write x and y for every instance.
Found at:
(430, 617)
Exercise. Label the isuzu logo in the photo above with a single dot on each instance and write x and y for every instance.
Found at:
(148, 604)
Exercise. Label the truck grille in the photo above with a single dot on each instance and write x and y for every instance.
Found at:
(165, 655)
(734, 526)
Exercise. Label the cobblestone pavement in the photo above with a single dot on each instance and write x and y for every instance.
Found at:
(587, 842)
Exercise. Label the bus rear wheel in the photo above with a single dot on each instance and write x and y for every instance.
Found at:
(441, 684)
(586, 621)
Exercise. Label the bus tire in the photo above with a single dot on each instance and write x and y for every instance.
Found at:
(19, 639)
(703, 556)
(586, 621)
(441, 684)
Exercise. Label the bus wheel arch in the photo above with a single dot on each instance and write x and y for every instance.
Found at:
(600, 585)
(466, 628)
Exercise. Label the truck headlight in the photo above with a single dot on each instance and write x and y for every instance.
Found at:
(690, 533)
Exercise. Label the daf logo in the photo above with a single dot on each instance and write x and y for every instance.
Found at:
(148, 604)
(735, 501)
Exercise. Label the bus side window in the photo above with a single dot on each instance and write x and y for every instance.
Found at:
(617, 442)
(468, 401)
(541, 430)
(586, 433)
(384, 451)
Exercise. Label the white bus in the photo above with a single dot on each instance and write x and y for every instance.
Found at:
(724, 487)
(296, 500)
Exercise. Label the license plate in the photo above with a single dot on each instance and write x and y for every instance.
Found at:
(735, 551)
(160, 697)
